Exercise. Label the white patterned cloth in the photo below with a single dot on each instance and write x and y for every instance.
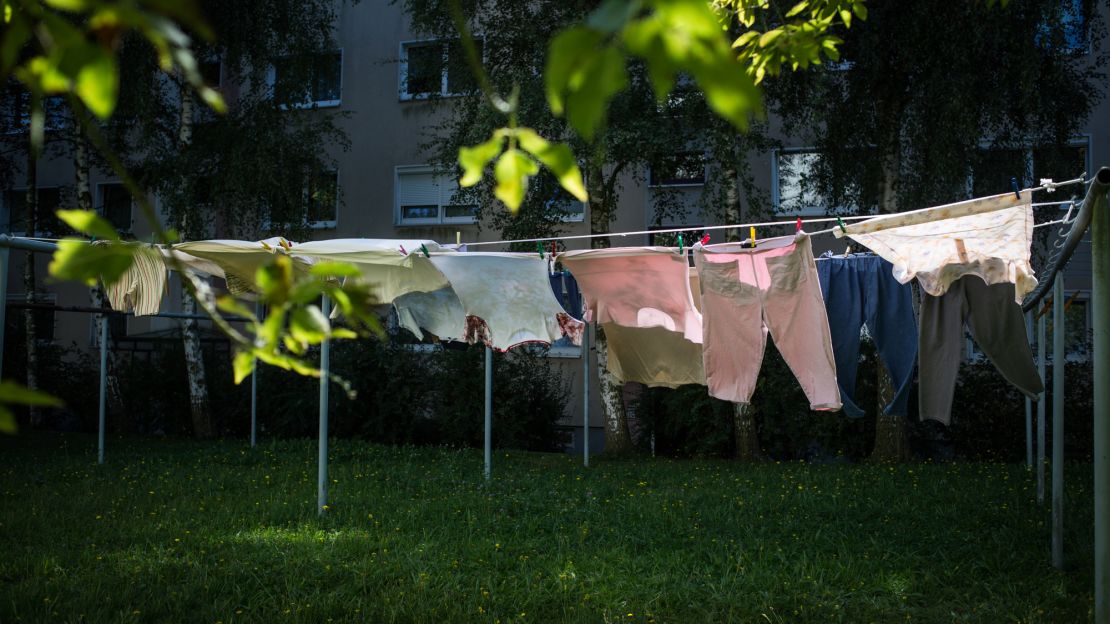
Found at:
(989, 237)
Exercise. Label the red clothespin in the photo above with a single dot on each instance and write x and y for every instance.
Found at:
(704, 239)
(798, 225)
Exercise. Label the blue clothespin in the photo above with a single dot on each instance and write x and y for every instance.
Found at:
(1014, 185)
(425, 250)
(680, 247)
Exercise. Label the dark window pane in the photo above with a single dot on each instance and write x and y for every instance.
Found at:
(424, 69)
(419, 212)
(115, 206)
(687, 168)
(46, 221)
(993, 170)
(460, 78)
(326, 77)
(323, 195)
(459, 211)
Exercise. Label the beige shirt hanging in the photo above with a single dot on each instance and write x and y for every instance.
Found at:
(989, 237)
(142, 285)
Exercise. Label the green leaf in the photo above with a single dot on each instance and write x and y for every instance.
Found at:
(797, 8)
(645, 38)
(860, 9)
(276, 278)
(473, 159)
(80, 261)
(308, 324)
(7, 421)
(213, 99)
(557, 157)
(512, 172)
(68, 5)
(242, 365)
(769, 37)
(334, 269)
(12, 392)
(343, 333)
(306, 291)
(568, 53)
(97, 83)
(88, 222)
(231, 305)
(17, 33)
(600, 80)
(746, 38)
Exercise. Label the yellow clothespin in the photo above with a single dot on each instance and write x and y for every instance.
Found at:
(752, 235)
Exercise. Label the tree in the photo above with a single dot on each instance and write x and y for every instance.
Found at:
(624, 120)
(913, 112)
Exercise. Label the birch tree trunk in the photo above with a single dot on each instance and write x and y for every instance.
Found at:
(891, 441)
(97, 299)
(29, 286)
(618, 440)
(194, 355)
(745, 433)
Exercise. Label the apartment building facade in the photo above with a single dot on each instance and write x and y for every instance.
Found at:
(388, 82)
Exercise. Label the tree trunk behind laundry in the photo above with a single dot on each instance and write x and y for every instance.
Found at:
(194, 355)
(97, 299)
(745, 433)
(618, 439)
(891, 436)
(29, 282)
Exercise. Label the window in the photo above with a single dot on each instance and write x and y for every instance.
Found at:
(15, 112)
(792, 185)
(994, 167)
(425, 197)
(1065, 28)
(557, 202)
(114, 204)
(44, 318)
(46, 222)
(435, 68)
(684, 169)
(323, 199)
(312, 81)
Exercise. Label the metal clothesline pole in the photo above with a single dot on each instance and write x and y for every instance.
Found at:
(5, 264)
(586, 396)
(1100, 294)
(103, 389)
(488, 429)
(322, 462)
(1058, 365)
(1040, 408)
(254, 389)
(1029, 402)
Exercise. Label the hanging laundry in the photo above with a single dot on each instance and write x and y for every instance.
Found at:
(239, 261)
(439, 312)
(860, 289)
(393, 267)
(989, 237)
(566, 292)
(748, 292)
(998, 327)
(142, 285)
(643, 299)
(507, 299)
(653, 356)
(636, 287)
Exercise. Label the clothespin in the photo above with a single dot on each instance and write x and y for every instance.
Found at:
(1049, 185)
(704, 239)
(403, 252)
(751, 232)
(848, 250)
(286, 245)
(458, 238)
(425, 250)
(840, 222)
(798, 225)
(1014, 185)
(681, 249)
(539, 249)
(265, 246)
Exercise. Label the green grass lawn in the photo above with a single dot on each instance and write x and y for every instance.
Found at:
(177, 531)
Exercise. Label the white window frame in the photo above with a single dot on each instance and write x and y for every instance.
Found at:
(441, 215)
(403, 68)
(101, 208)
(776, 188)
(568, 216)
(271, 78)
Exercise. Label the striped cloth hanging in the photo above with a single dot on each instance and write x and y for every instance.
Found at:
(142, 285)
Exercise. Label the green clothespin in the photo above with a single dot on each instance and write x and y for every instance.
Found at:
(424, 248)
(840, 222)
(539, 249)
(681, 248)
